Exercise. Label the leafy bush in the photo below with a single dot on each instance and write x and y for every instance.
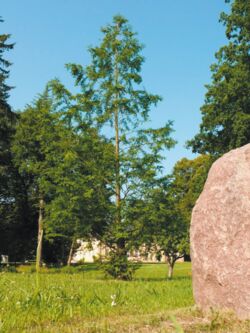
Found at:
(119, 267)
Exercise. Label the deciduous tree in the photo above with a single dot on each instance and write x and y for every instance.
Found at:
(226, 113)
(187, 181)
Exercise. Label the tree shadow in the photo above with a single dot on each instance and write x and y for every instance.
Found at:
(161, 279)
(88, 267)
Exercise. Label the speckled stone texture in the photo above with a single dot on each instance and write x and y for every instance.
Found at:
(220, 236)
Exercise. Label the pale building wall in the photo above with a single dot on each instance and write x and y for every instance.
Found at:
(89, 252)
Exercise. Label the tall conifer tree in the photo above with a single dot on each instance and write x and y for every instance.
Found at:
(14, 208)
(112, 98)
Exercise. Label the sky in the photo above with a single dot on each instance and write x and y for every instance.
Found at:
(180, 38)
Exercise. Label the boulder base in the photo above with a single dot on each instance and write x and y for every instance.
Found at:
(220, 236)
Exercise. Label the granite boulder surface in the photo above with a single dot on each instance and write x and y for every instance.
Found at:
(220, 236)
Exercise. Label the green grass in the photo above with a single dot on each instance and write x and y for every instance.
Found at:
(82, 301)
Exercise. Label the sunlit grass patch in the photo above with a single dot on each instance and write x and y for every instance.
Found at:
(81, 299)
(59, 296)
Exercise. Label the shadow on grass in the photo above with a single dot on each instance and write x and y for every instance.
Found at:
(161, 279)
(88, 267)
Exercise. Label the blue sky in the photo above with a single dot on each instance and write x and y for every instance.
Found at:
(180, 39)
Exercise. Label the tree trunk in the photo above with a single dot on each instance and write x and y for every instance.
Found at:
(40, 235)
(121, 241)
(170, 261)
(117, 169)
(71, 253)
(117, 144)
(170, 271)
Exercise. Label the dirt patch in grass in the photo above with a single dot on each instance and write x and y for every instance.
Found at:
(187, 320)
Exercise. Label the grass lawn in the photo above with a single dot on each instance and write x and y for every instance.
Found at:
(82, 302)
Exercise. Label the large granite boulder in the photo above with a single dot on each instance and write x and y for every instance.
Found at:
(220, 236)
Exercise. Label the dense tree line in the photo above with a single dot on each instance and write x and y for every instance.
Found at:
(84, 165)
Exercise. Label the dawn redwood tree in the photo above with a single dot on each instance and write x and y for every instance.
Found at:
(226, 113)
(112, 98)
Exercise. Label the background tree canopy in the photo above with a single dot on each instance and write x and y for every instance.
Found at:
(226, 113)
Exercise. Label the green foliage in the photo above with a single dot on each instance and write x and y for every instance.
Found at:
(67, 170)
(188, 179)
(36, 141)
(108, 83)
(80, 200)
(4, 71)
(36, 138)
(162, 217)
(166, 229)
(226, 112)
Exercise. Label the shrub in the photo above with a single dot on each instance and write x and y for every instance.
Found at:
(119, 267)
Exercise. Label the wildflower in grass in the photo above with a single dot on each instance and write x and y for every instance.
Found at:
(113, 297)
